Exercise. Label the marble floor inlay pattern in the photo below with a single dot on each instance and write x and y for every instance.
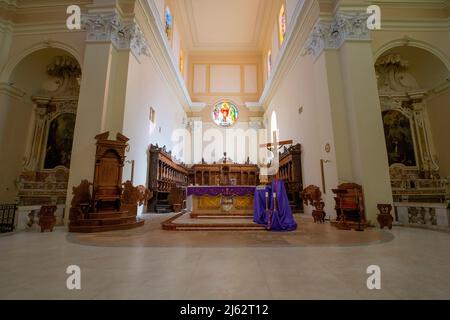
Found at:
(414, 264)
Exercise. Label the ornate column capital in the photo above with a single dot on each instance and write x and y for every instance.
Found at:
(110, 27)
(346, 26)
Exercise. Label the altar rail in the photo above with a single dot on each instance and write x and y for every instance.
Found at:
(422, 214)
(7, 216)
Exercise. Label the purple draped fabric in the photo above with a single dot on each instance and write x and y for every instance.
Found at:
(282, 219)
(259, 205)
(221, 190)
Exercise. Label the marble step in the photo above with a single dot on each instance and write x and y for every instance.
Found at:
(103, 228)
(105, 215)
(106, 221)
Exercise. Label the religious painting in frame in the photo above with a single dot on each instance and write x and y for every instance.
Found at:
(225, 113)
(399, 138)
(59, 141)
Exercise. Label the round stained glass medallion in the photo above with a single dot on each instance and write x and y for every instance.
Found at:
(225, 113)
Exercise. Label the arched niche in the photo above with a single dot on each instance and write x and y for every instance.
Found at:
(407, 77)
(49, 79)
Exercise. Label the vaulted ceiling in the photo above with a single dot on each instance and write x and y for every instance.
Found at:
(223, 25)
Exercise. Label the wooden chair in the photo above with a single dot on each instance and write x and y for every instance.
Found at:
(47, 218)
(312, 195)
(350, 206)
(385, 218)
(176, 198)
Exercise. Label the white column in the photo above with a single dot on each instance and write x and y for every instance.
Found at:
(109, 46)
(342, 50)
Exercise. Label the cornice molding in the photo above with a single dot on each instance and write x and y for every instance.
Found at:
(416, 25)
(440, 89)
(289, 51)
(197, 106)
(9, 4)
(162, 53)
(254, 106)
(412, 4)
(10, 90)
(6, 25)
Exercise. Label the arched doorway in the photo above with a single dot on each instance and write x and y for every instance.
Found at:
(37, 122)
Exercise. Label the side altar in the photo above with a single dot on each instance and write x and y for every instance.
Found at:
(220, 200)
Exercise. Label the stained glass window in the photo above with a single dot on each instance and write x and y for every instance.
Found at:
(169, 23)
(269, 63)
(182, 62)
(282, 24)
(225, 113)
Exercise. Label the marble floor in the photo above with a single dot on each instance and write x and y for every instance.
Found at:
(415, 264)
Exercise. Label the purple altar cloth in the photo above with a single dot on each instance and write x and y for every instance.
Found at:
(282, 219)
(221, 190)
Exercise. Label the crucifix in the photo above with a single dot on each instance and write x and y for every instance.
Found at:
(276, 144)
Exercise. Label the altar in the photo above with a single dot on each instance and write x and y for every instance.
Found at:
(220, 200)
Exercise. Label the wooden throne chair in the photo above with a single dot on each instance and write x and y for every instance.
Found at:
(104, 211)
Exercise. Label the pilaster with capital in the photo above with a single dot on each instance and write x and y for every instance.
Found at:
(110, 27)
(345, 26)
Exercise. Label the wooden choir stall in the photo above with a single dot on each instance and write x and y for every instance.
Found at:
(167, 180)
(223, 173)
(223, 187)
(291, 172)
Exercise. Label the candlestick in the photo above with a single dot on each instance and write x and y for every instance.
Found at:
(275, 201)
(267, 201)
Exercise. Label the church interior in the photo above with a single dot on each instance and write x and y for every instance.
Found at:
(210, 149)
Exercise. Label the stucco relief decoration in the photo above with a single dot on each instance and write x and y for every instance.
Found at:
(110, 27)
(332, 34)
(67, 73)
(393, 76)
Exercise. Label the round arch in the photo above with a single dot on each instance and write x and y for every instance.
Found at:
(14, 61)
(413, 43)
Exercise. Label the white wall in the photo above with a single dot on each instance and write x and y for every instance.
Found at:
(438, 108)
(15, 124)
(146, 87)
(301, 87)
